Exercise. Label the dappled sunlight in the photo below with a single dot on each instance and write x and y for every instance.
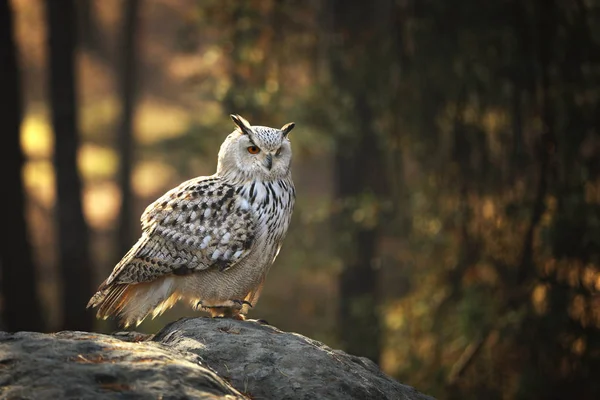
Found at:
(36, 135)
(592, 192)
(150, 178)
(30, 31)
(98, 117)
(187, 66)
(577, 309)
(39, 182)
(190, 66)
(539, 298)
(427, 226)
(394, 318)
(209, 114)
(101, 202)
(156, 120)
(494, 120)
(100, 86)
(96, 162)
(482, 274)
(579, 346)
(488, 209)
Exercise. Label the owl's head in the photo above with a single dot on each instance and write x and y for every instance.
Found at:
(252, 152)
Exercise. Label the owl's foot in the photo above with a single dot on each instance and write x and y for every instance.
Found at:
(242, 302)
(227, 304)
(227, 309)
(226, 312)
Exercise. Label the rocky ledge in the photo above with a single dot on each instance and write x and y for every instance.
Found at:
(199, 358)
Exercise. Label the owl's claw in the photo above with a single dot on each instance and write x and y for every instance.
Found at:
(242, 302)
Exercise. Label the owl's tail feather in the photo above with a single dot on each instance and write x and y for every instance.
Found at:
(132, 303)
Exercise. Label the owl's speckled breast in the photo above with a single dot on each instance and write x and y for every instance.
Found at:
(272, 204)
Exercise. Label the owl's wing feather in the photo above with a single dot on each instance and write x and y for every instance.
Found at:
(203, 223)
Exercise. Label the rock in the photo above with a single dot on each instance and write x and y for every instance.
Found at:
(266, 363)
(80, 365)
(200, 358)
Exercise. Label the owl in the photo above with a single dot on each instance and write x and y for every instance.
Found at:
(210, 241)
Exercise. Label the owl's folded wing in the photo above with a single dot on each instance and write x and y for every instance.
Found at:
(203, 223)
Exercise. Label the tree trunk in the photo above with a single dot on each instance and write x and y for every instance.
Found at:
(247, 76)
(232, 98)
(356, 167)
(20, 303)
(90, 34)
(359, 176)
(74, 255)
(547, 141)
(127, 87)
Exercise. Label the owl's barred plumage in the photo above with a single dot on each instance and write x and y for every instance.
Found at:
(211, 240)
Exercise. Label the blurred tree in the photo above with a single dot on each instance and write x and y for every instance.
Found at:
(20, 301)
(90, 30)
(233, 100)
(516, 279)
(74, 254)
(127, 78)
(248, 45)
(359, 179)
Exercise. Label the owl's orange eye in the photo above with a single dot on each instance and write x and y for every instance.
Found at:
(253, 150)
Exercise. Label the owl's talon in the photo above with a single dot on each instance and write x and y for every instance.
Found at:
(242, 302)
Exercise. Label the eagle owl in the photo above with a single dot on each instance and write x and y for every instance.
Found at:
(211, 240)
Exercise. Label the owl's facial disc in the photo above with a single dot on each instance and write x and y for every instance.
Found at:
(253, 152)
(266, 151)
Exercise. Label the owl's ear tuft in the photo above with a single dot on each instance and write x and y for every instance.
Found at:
(242, 124)
(287, 128)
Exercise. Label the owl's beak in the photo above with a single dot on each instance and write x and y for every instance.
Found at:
(269, 161)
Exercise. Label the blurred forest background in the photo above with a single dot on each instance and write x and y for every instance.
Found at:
(446, 159)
